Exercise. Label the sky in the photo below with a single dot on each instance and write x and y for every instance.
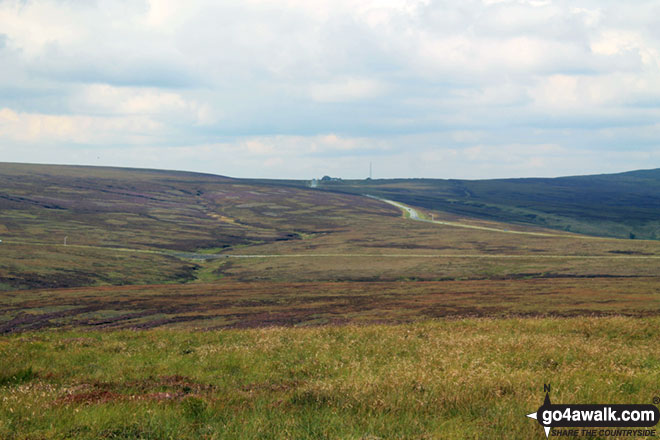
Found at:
(304, 88)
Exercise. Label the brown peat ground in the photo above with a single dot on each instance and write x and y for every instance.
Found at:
(198, 306)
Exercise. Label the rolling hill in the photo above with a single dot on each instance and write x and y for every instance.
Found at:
(68, 226)
(72, 226)
(130, 248)
(325, 314)
(624, 205)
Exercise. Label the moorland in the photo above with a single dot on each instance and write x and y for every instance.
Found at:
(160, 304)
(622, 205)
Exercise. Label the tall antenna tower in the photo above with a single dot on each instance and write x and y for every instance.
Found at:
(370, 175)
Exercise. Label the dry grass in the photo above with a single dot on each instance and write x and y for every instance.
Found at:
(446, 332)
(454, 379)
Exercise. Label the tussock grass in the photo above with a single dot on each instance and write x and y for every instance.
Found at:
(8, 378)
(448, 379)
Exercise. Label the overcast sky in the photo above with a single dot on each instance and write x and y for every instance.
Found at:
(303, 88)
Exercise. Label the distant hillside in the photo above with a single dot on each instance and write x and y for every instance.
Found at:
(59, 224)
(624, 205)
(162, 209)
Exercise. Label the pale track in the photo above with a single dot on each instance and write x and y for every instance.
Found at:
(202, 256)
(414, 215)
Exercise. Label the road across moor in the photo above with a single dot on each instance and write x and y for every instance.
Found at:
(412, 214)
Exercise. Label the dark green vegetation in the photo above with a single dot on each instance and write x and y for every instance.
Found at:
(450, 379)
(324, 314)
(625, 205)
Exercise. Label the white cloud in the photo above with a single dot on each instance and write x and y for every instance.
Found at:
(596, 94)
(53, 129)
(346, 90)
(288, 85)
(31, 27)
(112, 100)
(615, 42)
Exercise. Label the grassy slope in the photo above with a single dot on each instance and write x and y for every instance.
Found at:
(446, 378)
(615, 205)
(452, 379)
(116, 208)
(162, 209)
(336, 257)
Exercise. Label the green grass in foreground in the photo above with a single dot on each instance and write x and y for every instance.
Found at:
(449, 379)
